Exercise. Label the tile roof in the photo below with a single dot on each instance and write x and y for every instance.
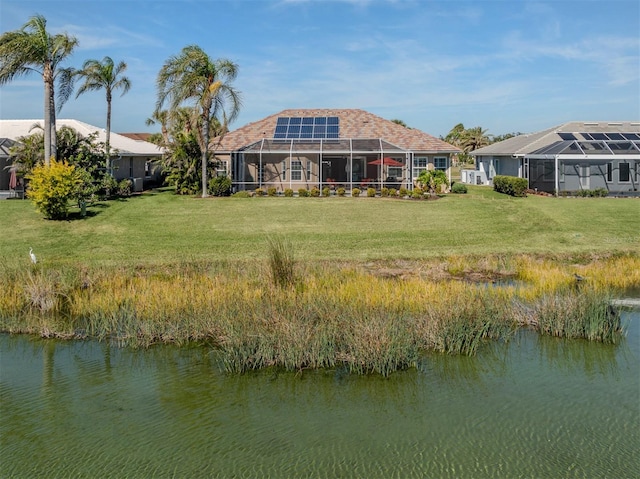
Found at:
(525, 144)
(16, 128)
(354, 123)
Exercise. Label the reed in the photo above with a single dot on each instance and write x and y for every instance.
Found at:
(336, 315)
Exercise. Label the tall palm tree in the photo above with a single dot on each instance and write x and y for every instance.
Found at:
(108, 76)
(193, 77)
(474, 138)
(34, 49)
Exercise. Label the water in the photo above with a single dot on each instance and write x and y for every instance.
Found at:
(535, 407)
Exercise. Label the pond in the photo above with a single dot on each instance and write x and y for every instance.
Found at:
(533, 407)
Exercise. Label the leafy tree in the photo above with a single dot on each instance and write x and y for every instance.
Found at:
(34, 49)
(192, 76)
(52, 187)
(105, 76)
(399, 122)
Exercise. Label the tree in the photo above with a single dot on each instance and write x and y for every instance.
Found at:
(399, 122)
(52, 186)
(474, 138)
(192, 76)
(108, 76)
(34, 49)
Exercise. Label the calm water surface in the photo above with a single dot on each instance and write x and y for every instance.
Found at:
(535, 407)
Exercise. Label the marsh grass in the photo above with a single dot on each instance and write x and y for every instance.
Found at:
(343, 317)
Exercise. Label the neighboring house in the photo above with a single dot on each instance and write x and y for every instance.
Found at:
(571, 157)
(131, 158)
(331, 147)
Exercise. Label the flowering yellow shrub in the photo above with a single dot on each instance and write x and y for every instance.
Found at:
(52, 187)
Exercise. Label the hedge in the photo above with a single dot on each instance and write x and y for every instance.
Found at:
(510, 185)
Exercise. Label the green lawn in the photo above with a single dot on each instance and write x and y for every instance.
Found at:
(161, 227)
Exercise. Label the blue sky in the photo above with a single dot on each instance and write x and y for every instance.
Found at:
(503, 65)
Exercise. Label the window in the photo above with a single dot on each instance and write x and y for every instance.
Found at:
(440, 164)
(221, 168)
(284, 170)
(395, 172)
(296, 170)
(623, 173)
(609, 171)
(419, 165)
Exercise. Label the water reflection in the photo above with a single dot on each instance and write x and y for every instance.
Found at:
(535, 406)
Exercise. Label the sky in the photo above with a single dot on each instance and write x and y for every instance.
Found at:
(506, 66)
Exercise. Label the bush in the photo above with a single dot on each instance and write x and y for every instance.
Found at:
(392, 192)
(288, 193)
(315, 192)
(403, 192)
(303, 192)
(272, 191)
(242, 194)
(125, 187)
(341, 191)
(600, 192)
(219, 186)
(260, 192)
(459, 188)
(52, 187)
(355, 192)
(510, 185)
(384, 192)
(371, 192)
(326, 191)
(416, 194)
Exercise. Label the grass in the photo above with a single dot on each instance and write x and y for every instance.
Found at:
(374, 284)
(163, 228)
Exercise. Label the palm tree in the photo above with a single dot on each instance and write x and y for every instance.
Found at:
(108, 76)
(474, 138)
(192, 76)
(33, 49)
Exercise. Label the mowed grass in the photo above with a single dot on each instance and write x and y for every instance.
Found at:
(162, 228)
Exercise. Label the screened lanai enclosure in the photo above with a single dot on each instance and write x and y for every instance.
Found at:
(294, 163)
(587, 161)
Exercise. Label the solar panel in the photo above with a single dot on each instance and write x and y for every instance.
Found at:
(615, 136)
(631, 136)
(599, 136)
(567, 136)
(307, 127)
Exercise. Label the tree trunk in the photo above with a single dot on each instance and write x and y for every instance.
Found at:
(107, 143)
(205, 152)
(49, 142)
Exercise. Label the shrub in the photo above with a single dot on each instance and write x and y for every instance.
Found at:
(303, 192)
(393, 192)
(355, 192)
(52, 187)
(371, 192)
(384, 192)
(326, 191)
(242, 194)
(288, 193)
(108, 186)
(416, 194)
(219, 186)
(434, 181)
(260, 192)
(510, 185)
(341, 191)
(403, 192)
(315, 192)
(125, 187)
(459, 188)
(600, 192)
(272, 191)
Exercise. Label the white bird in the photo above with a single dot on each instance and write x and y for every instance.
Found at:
(32, 256)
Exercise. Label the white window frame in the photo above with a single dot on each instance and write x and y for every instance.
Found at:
(417, 165)
(296, 170)
(438, 159)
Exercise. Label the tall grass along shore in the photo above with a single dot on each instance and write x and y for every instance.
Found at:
(300, 283)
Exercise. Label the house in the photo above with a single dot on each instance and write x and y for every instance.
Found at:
(131, 158)
(571, 157)
(306, 148)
